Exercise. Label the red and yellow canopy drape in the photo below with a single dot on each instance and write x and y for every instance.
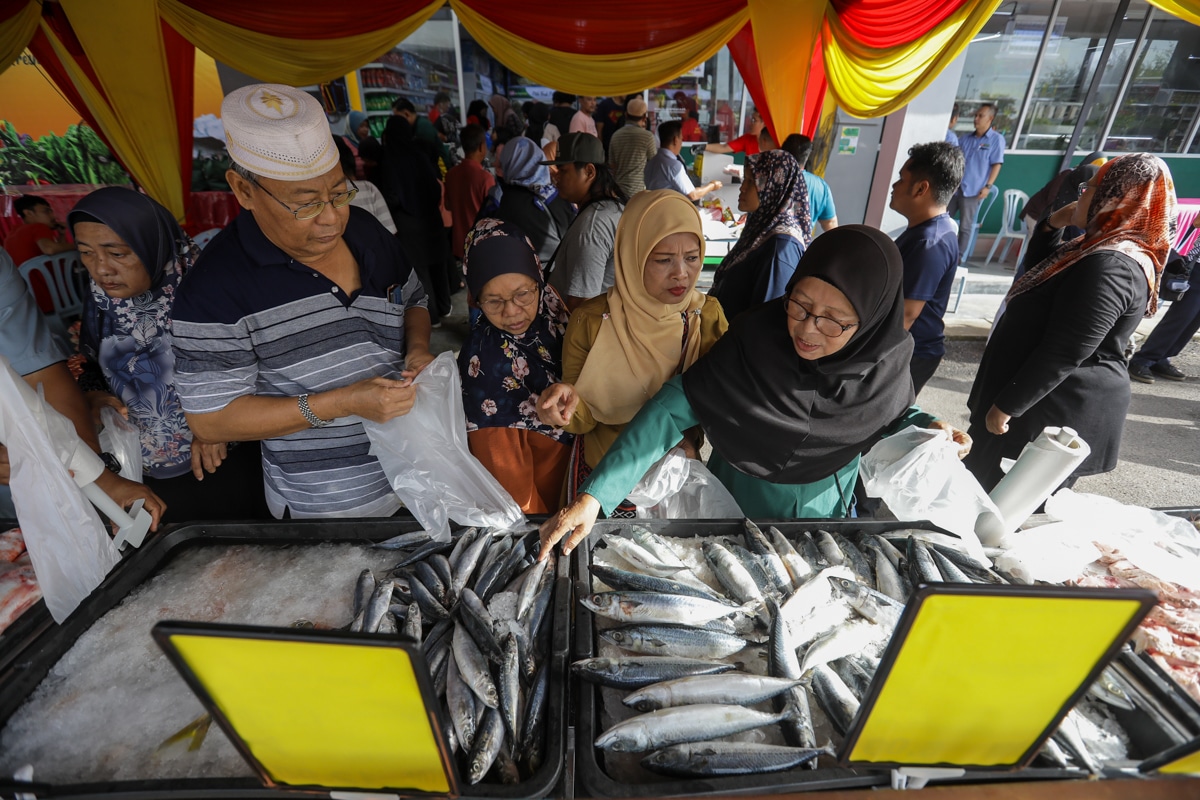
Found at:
(126, 64)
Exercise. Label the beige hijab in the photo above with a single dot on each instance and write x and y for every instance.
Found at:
(640, 341)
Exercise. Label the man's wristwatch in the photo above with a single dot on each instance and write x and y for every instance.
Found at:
(111, 463)
(313, 420)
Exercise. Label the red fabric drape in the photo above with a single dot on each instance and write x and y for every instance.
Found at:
(611, 26)
(308, 19)
(181, 63)
(10, 8)
(745, 56)
(47, 59)
(888, 23)
(814, 93)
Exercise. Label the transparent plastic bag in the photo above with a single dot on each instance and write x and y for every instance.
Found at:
(678, 487)
(918, 474)
(70, 550)
(424, 454)
(120, 437)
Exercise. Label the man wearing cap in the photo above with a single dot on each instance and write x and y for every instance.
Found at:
(583, 266)
(631, 147)
(300, 317)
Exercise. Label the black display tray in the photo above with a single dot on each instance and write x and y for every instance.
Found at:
(594, 781)
(31, 648)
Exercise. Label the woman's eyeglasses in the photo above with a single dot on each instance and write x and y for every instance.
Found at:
(312, 210)
(1083, 187)
(826, 326)
(522, 299)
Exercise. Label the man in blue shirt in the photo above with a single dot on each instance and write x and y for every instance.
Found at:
(951, 136)
(667, 170)
(820, 197)
(983, 150)
(929, 247)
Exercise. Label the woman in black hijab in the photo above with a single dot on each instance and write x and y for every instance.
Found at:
(790, 397)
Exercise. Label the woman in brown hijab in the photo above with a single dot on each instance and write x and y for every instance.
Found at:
(622, 346)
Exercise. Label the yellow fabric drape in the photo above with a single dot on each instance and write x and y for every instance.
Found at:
(133, 105)
(1187, 10)
(296, 62)
(609, 74)
(784, 37)
(873, 82)
(16, 31)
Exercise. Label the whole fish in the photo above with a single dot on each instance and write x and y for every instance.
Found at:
(855, 559)
(849, 638)
(870, 604)
(460, 701)
(811, 553)
(949, 570)
(489, 740)
(655, 544)
(754, 566)
(411, 629)
(782, 662)
(421, 553)
(472, 613)
(921, 568)
(377, 607)
(441, 567)
(674, 640)
(797, 567)
(627, 581)
(424, 572)
(835, 698)
(474, 667)
(364, 587)
(758, 543)
(431, 607)
(716, 759)
(509, 687)
(736, 688)
(530, 747)
(810, 600)
(530, 584)
(1110, 689)
(975, 570)
(886, 547)
(638, 671)
(684, 724)
(405, 541)
(520, 555)
(462, 540)
(887, 578)
(642, 559)
(732, 574)
(650, 607)
(539, 608)
(829, 548)
(857, 680)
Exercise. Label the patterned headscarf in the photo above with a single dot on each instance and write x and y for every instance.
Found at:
(1131, 211)
(503, 374)
(781, 190)
(130, 339)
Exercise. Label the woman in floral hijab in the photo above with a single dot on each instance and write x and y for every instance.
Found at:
(513, 352)
(759, 266)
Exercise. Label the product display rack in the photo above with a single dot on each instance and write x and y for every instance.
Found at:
(401, 73)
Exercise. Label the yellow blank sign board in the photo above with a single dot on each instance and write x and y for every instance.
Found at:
(977, 677)
(312, 712)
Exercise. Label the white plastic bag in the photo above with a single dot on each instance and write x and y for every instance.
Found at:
(120, 437)
(918, 474)
(69, 547)
(424, 454)
(678, 487)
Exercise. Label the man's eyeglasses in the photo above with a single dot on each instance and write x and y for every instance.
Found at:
(522, 299)
(826, 326)
(311, 210)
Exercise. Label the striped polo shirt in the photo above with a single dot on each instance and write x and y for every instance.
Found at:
(250, 320)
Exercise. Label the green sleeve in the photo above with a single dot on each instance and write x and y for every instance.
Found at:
(656, 429)
(912, 417)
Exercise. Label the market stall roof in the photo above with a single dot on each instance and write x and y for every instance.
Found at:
(123, 63)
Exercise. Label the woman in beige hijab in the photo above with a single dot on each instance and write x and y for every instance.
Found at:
(621, 347)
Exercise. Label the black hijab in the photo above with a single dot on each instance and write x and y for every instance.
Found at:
(411, 181)
(776, 416)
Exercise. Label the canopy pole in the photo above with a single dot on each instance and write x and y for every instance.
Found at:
(462, 101)
(1089, 99)
(742, 112)
(1126, 78)
(1033, 75)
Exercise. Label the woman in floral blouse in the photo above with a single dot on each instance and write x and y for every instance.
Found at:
(136, 253)
(513, 352)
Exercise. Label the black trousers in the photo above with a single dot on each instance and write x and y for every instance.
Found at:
(922, 370)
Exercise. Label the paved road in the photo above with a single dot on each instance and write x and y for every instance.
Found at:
(1160, 451)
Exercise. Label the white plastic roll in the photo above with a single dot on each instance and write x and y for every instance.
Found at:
(1043, 465)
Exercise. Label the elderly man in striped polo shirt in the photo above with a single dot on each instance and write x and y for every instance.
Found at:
(299, 318)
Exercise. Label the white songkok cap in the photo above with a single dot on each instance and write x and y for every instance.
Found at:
(278, 132)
